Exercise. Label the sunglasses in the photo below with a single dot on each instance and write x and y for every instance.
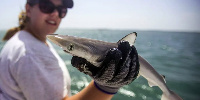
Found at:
(46, 6)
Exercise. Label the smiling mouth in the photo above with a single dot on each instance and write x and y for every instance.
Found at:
(51, 22)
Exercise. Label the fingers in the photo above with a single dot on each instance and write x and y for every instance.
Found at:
(105, 74)
(134, 54)
(113, 54)
(120, 73)
(133, 68)
(135, 61)
(110, 62)
(124, 63)
(129, 71)
(77, 61)
(125, 48)
(84, 66)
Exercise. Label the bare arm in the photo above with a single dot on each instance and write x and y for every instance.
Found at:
(90, 93)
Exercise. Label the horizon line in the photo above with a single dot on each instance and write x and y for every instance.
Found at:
(146, 30)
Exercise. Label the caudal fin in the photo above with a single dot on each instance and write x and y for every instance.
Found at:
(170, 96)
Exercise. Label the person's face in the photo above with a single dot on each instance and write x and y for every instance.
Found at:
(43, 23)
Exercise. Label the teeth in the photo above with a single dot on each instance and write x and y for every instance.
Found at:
(52, 22)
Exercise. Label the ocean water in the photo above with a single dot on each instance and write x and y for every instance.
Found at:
(173, 54)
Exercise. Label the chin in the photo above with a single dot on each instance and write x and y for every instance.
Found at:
(51, 31)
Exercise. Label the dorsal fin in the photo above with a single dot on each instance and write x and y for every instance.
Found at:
(130, 38)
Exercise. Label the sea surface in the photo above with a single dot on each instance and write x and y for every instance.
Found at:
(173, 54)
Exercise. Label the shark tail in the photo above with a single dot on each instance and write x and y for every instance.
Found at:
(170, 96)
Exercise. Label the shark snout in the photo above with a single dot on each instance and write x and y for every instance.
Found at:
(57, 39)
(52, 37)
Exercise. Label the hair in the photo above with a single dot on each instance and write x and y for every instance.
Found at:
(22, 22)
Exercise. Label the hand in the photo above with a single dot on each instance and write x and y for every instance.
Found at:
(120, 67)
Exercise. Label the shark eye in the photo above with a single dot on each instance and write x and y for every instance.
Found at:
(70, 47)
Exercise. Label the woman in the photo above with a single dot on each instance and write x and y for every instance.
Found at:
(30, 69)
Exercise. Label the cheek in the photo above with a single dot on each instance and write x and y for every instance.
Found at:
(37, 18)
(36, 22)
(59, 20)
(34, 14)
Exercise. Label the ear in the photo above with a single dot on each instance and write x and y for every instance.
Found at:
(28, 8)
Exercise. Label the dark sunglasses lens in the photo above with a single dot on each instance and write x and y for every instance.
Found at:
(46, 7)
(62, 12)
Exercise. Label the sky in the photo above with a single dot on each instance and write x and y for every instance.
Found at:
(163, 15)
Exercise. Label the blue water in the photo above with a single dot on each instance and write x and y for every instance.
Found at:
(173, 54)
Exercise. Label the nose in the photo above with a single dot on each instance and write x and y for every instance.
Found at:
(55, 13)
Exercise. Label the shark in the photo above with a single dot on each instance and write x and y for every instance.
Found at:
(94, 51)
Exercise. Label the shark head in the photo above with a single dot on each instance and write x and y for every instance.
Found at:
(92, 50)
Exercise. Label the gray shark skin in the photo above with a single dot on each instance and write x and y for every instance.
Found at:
(94, 51)
(155, 79)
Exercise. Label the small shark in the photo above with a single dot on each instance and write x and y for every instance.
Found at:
(95, 51)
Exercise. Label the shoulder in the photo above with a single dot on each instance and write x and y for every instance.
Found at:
(19, 42)
(23, 44)
(13, 48)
